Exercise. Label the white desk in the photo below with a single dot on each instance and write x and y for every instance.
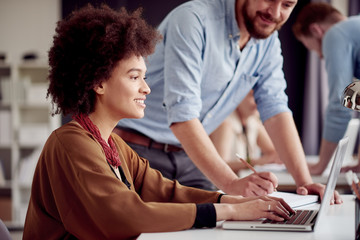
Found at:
(337, 225)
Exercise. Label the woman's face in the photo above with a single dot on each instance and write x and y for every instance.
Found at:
(123, 94)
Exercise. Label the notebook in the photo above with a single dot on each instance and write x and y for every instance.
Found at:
(295, 200)
(312, 217)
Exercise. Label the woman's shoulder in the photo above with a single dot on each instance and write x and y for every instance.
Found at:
(71, 136)
(70, 131)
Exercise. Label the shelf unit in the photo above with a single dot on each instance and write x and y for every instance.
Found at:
(29, 122)
(5, 142)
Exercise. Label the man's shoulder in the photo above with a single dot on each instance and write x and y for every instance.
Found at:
(351, 24)
(202, 8)
(342, 31)
(352, 19)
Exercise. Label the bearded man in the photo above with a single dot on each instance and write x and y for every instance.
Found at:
(213, 52)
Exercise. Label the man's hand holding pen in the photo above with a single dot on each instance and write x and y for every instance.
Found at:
(258, 183)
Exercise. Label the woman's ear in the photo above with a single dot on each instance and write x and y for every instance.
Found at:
(99, 89)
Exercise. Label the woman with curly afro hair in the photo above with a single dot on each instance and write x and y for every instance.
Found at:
(89, 184)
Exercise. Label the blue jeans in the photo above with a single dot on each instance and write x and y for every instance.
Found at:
(174, 165)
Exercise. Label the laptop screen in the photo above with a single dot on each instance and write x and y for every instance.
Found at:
(333, 176)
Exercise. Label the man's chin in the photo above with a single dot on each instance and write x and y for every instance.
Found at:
(262, 34)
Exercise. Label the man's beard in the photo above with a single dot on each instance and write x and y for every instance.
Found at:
(250, 26)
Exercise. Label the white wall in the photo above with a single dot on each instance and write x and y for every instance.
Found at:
(27, 25)
(341, 5)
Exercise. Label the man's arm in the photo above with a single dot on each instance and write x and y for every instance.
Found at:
(202, 152)
(326, 151)
(224, 132)
(284, 135)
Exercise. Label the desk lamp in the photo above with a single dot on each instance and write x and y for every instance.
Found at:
(351, 99)
(351, 96)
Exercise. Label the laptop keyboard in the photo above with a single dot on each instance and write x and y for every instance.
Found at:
(300, 217)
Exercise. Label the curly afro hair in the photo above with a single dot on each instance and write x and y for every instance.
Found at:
(86, 48)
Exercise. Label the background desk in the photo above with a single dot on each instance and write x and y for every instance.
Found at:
(338, 224)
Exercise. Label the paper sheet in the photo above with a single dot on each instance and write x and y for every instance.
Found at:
(295, 200)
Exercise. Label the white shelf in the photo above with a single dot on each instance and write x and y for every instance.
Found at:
(30, 124)
(34, 64)
(27, 105)
(5, 104)
(5, 146)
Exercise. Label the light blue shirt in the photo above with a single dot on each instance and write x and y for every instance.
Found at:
(341, 50)
(198, 71)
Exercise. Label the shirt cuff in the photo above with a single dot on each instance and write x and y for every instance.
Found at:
(205, 216)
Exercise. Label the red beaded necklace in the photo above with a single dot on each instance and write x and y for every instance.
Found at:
(111, 153)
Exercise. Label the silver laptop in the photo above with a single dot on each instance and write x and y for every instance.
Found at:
(304, 220)
(351, 132)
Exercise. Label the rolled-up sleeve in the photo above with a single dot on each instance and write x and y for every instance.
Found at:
(269, 91)
(182, 70)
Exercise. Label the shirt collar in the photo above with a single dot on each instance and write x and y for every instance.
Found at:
(233, 28)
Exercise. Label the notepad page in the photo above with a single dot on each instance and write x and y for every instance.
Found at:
(295, 200)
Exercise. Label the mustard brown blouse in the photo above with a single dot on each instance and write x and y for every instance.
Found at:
(75, 194)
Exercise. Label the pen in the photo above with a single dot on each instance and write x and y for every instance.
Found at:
(246, 163)
(249, 166)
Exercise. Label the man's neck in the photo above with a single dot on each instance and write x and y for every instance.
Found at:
(244, 34)
(243, 40)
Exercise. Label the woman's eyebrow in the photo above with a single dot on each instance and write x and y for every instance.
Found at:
(135, 70)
